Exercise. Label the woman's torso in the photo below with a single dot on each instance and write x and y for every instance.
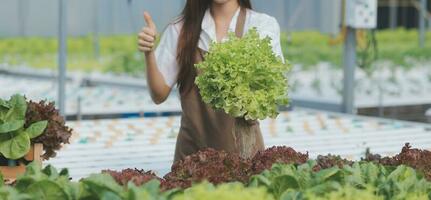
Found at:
(202, 126)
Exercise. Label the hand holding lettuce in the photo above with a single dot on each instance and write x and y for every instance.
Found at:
(243, 77)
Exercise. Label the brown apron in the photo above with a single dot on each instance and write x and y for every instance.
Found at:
(204, 127)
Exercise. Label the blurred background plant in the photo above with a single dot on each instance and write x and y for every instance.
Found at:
(118, 54)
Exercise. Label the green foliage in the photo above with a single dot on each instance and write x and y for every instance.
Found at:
(397, 46)
(46, 184)
(229, 191)
(119, 54)
(401, 45)
(243, 77)
(368, 55)
(285, 182)
(360, 180)
(49, 183)
(46, 189)
(8, 193)
(14, 138)
(309, 48)
(101, 186)
(347, 193)
(150, 191)
(129, 62)
(41, 52)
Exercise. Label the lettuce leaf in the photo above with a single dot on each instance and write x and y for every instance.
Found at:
(228, 191)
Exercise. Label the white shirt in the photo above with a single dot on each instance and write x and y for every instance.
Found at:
(167, 50)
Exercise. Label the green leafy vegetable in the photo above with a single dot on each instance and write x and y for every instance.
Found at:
(101, 186)
(4, 104)
(46, 183)
(46, 189)
(150, 190)
(230, 191)
(351, 181)
(347, 193)
(11, 125)
(18, 107)
(36, 129)
(14, 138)
(14, 145)
(12, 115)
(7, 193)
(243, 77)
(359, 181)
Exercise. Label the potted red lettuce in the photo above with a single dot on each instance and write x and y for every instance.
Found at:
(26, 130)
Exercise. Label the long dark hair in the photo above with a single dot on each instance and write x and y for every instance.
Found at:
(192, 17)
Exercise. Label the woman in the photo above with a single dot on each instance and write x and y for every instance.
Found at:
(184, 44)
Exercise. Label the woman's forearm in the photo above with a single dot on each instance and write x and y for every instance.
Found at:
(158, 89)
(146, 41)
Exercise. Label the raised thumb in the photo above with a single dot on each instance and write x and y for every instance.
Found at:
(149, 20)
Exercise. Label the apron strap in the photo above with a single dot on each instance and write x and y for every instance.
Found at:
(239, 30)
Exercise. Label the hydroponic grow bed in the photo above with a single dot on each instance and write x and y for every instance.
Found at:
(148, 143)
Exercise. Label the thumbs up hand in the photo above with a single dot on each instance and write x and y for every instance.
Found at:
(147, 36)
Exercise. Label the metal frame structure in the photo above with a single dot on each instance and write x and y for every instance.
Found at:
(422, 22)
(349, 71)
(62, 56)
(393, 12)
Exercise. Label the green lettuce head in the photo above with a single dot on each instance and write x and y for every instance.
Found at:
(243, 77)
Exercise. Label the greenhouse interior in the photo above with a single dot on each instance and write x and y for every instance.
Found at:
(215, 99)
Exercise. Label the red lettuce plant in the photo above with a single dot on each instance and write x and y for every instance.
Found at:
(415, 158)
(211, 165)
(221, 167)
(329, 161)
(139, 177)
(284, 155)
(56, 133)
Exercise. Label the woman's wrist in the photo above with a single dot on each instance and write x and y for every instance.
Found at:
(149, 53)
